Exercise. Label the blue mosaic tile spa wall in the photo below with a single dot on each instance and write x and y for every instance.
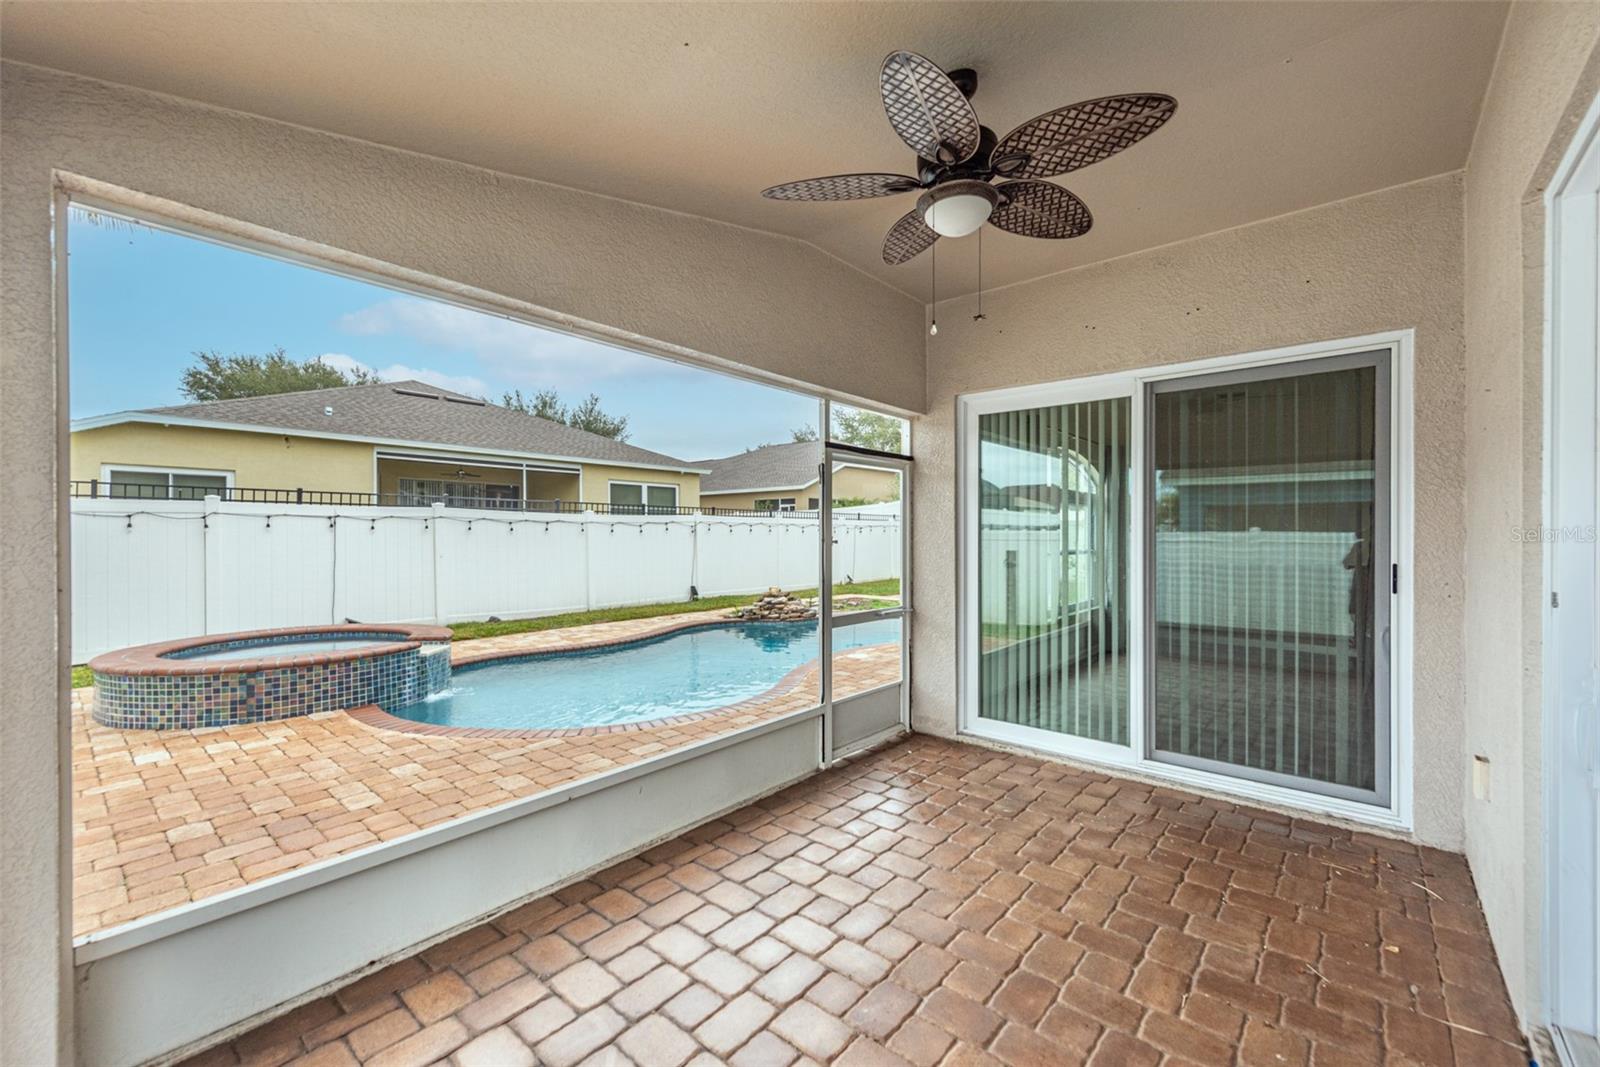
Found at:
(190, 701)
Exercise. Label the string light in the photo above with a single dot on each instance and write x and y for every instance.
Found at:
(860, 524)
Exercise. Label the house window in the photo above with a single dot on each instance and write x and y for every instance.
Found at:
(784, 503)
(813, 504)
(643, 498)
(422, 491)
(158, 483)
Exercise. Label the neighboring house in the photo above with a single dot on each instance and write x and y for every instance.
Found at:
(786, 478)
(408, 442)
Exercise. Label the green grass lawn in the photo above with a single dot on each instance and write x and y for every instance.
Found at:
(466, 631)
(889, 587)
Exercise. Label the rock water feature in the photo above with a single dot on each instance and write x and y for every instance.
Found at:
(776, 606)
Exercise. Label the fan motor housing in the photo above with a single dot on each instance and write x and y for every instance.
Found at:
(977, 166)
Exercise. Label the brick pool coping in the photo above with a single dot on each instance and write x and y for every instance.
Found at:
(152, 659)
(164, 817)
(373, 715)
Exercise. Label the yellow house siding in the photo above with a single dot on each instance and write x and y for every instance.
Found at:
(264, 460)
(747, 501)
(597, 481)
(860, 483)
(849, 483)
(277, 461)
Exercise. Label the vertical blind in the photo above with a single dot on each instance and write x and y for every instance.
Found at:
(1052, 547)
(1266, 509)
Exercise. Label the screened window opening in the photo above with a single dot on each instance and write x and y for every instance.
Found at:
(423, 491)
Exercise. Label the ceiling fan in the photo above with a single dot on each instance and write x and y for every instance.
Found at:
(959, 160)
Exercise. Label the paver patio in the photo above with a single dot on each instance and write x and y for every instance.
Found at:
(939, 903)
(162, 818)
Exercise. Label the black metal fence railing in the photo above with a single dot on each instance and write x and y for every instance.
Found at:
(98, 489)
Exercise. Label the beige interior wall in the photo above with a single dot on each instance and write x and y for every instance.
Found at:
(1546, 75)
(1388, 260)
(712, 291)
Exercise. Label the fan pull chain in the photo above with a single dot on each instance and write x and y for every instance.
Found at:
(980, 316)
(933, 284)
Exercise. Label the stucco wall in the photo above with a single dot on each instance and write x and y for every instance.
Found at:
(1388, 260)
(1545, 76)
(708, 291)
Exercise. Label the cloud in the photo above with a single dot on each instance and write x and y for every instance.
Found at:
(522, 356)
(399, 372)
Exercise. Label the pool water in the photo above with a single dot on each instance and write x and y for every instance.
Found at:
(268, 649)
(691, 671)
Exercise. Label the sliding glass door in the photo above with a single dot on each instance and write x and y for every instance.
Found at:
(1052, 569)
(1189, 570)
(1269, 574)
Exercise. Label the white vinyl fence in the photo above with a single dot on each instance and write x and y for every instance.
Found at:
(154, 570)
(1256, 579)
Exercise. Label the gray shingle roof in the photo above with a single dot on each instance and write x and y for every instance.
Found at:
(791, 466)
(392, 411)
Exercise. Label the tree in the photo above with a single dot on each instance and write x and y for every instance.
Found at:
(868, 429)
(865, 428)
(214, 376)
(546, 404)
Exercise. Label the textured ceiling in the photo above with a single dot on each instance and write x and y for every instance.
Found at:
(697, 107)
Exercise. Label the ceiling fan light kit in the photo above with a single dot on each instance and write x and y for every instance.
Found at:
(958, 208)
(959, 160)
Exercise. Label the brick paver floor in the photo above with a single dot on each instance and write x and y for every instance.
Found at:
(164, 817)
(939, 903)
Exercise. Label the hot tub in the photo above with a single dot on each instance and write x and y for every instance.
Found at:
(262, 675)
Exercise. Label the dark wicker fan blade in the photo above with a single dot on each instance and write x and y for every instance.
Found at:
(1080, 134)
(926, 108)
(908, 238)
(842, 187)
(1039, 209)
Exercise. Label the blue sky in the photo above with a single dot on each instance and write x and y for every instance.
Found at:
(142, 301)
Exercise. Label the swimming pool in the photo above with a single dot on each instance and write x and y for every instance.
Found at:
(265, 648)
(683, 673)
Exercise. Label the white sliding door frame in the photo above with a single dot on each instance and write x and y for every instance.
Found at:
(1570, 693)
(1136, 755)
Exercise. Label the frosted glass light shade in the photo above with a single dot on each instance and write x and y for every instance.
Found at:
(956, 209)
